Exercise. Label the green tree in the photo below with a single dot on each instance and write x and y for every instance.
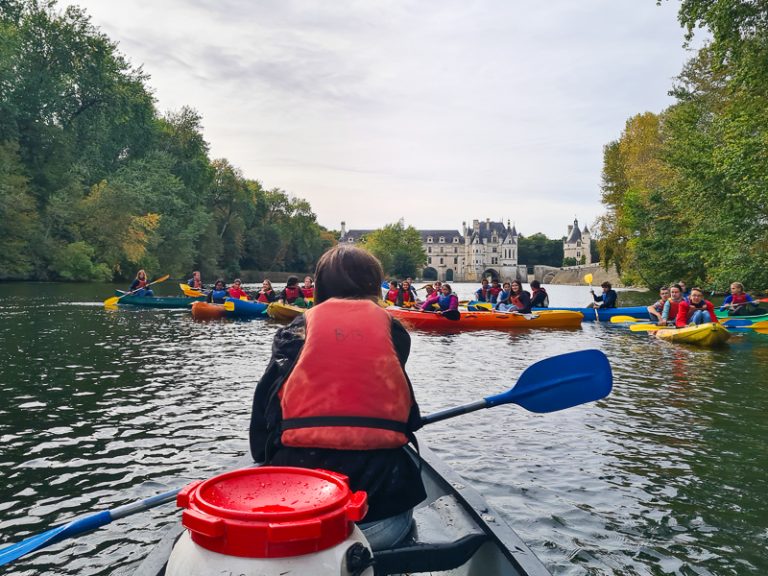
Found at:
(18, 215)
(398, 249)
(538, 249)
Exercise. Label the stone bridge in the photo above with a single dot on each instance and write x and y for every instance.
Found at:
(574, 275)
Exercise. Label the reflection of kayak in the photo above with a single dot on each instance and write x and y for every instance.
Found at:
(206, 311)
(156, 301)
(455, 531)
(244, 308)
(487, 320)
(284, 312)
(708, 335)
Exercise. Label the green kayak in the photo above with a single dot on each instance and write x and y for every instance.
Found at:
(157, 301)
(739, 321)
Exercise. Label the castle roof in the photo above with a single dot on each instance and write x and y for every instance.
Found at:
(575, 234)
(449, 235)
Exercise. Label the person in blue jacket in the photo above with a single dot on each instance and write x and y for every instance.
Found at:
(608, 299)
(219, 292)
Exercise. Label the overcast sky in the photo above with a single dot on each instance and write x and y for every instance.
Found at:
(438, 111)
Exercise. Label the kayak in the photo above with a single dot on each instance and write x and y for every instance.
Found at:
(605, 314)
(244, 308)
(739, 321)
(206, 311)
(156, 301)
(708, 335)
(487, 320)
(284, 312)
(455, 532)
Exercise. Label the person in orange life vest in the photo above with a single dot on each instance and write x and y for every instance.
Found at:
(195, 282)
(539, 297)
(737, 301)
(308, 290)
(405, 296)
(519, 299)
(139, 285)
(266, 294)
(655, 310)
(392, 293)
(291, 294)
(695, 311)
(236, 291)
(495, 290)
(671, 306)
(483, 294)
(321, 369)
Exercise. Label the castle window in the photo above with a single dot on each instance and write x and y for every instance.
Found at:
(455, 239)
(441, 260)
(429, 239)
(350, 239)
(455, 260)
(455, 250)
(429, 249)
(494, 249)
(442, 240)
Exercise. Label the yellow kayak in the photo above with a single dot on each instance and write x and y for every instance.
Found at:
(708, 335)
(284, 312)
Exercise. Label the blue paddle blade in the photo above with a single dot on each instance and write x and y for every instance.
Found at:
(560, 382)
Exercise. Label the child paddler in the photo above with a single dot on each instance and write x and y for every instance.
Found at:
(696, 310)
(319, 403)
(139, 285)
(738, 302)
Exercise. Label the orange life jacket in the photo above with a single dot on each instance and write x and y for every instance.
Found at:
(347, 390)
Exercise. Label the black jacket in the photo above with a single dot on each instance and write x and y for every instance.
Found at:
(390, 477)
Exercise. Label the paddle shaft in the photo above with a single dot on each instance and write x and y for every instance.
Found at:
(115, 299)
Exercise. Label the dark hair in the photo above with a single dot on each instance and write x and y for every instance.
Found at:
(606, 285)
(535, 284)
(347, 272)
(446, 285)
(292, 281)
(219, 281)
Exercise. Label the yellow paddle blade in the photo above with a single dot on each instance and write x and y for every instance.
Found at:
(484, 306)
(646, 327)
(111, 301)
(229, 306)
(620, 319)
(244, 298)
(588, 278)
(161, 279)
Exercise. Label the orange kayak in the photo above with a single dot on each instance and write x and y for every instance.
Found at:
(487, 320)
(206, 311)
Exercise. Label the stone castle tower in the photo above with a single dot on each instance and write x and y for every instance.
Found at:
(578, 244)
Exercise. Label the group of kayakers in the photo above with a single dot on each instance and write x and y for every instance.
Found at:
(677, 307)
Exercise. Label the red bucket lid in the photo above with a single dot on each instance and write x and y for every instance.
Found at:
(271, 511)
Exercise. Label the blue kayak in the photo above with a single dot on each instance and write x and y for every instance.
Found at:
(244, 309)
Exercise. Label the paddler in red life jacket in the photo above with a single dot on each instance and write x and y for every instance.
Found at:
(392, 293)
(308, 290)
(738, 301)
(539, 296)
(236, 290)
(267, 293)
(321, 404)
(671, 306)
(695, 311)
(291, 294)
(139, 285)
(195, 282)
(495, 290)
(405, 297)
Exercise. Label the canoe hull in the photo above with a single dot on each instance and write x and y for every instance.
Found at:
(206, 311)
(707, 335)
(157, 301)
(605, 314)
(739, 321)
(284, 312)
(487, 320)
(466, 536)
(246, 309)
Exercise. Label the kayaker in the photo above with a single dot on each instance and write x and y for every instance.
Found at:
(686, 293)
(671, 306)
(655, 310)
(519, 300)
(738, 301)
(291, 294)
(503, 297)
(608, 299)
(308, 289)
(695, 311)
(483, 294)
(445, 300)
(495, 290)
(313, 375)
(412, 288)
(138, 286)
(539, 297)
(392, 293)
(219, 292)
(267, 293)
(405, 296)
(236, 290)
(195, 282)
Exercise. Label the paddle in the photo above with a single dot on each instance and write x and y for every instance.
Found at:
(588, 280)
(114, 300)
(621, 319)
(548, 385)
(447, 314)
(189, 291)
(648, 327)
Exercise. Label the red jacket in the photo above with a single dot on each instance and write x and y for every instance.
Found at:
(237, 293)
(685, 311)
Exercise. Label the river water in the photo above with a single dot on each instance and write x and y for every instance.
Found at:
(666, 476)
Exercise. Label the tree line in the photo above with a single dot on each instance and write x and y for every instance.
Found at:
(96, 183)
(686, 190)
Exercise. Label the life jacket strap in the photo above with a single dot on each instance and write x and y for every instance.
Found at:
(354, 421)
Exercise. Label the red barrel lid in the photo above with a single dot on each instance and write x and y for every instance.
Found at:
(271, 511)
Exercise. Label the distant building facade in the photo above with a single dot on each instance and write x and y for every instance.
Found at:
(578, 244)
(487, 249)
